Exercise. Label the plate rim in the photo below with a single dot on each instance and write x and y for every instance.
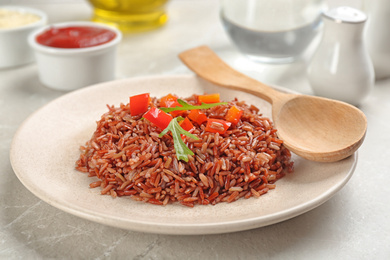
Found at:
(172, 229)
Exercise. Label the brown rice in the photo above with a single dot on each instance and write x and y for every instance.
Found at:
(129, 159)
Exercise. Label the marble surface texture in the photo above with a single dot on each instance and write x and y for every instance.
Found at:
(354, 224)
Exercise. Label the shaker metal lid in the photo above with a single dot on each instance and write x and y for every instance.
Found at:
(346, 14)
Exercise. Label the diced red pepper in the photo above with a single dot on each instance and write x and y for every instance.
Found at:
(171, 101)
(139, 104)
(186, 124)
(158, 117)
(233, 115)
(217, 126)
(209, 98)
(197, 116)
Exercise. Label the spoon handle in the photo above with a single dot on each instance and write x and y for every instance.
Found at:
(206, 64)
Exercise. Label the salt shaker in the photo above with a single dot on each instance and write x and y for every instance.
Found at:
(341, 67)
(377, 36)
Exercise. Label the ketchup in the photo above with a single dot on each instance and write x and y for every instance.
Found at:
(75, 37)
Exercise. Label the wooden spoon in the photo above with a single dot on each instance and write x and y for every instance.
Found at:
(314, 128)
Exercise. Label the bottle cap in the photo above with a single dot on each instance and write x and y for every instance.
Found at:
(346, 14)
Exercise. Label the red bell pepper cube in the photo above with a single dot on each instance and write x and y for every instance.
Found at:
(139, 104)
(217, 126)
(158, 117)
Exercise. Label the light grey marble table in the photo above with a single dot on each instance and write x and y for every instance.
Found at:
(354, 224)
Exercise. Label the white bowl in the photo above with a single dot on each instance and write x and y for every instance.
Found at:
(72, 68)
(14, 49)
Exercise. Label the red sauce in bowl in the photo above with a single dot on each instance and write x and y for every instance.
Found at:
(75, 37)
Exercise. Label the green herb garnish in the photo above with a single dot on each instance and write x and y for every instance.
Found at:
(182, 151)
(186, 106)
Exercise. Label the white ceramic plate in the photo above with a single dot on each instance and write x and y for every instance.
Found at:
(46, 147)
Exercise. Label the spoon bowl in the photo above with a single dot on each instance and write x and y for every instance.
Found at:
(315, 128)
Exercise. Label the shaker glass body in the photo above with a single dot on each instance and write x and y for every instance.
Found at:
(277, 31)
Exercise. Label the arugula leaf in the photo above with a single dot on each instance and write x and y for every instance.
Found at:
(182, 151)
(186, 106)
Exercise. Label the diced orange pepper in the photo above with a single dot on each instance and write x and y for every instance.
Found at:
(197, 116)
(186, 124)
(168, 100)
(233, 115)
(171, 101)
(217, 126)
(209, 98)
